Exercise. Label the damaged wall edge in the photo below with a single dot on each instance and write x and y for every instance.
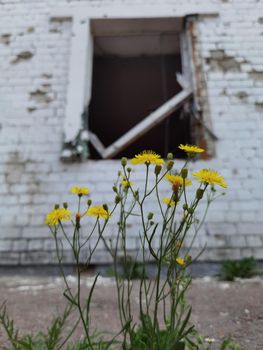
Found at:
(205, 134)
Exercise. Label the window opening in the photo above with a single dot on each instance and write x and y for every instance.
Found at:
(137, 101)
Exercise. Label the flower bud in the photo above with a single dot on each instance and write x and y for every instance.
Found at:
(184, 173)
(150, 216)
(129, 170)
(123, 161)
(136, 195)
(151, 223)
(190, 210)
(65, 205)
(105, 207)
(119, 173)
(188, 258)
(117, 199)
(185, 206)
(114, 188)
(170, 164)
(199, 193)
(89, 202)
(157, 169)
(56, 206)
(170, 156)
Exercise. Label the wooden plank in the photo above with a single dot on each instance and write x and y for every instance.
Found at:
(96, 143)
(148, 123)
(182, 80)
(79, 68)
(185, 57)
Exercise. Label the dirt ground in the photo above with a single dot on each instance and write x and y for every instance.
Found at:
(219, 308)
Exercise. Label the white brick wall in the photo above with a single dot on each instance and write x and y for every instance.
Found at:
(34, 59)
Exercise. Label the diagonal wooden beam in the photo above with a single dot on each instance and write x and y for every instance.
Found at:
(96, 143)
(156, 117)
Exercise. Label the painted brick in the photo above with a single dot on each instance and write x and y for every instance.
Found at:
(6, 245)
(229, 54)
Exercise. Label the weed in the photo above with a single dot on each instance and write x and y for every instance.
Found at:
(244, 268)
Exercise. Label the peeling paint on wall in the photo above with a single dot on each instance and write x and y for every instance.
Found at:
(242, 95)
(31, 109)
(220, 61)
(30, 30)
(256, 75)
(40, 96)
(22, 57)
(5, 39)
(57, 24)
(259, 107)
(47, 75)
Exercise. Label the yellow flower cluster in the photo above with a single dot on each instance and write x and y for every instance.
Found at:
(57, 215)
(206, 176)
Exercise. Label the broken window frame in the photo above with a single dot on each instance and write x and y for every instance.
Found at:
(156, 117)
(76, 134)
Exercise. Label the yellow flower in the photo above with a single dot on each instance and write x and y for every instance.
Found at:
(126, 183)
(180, 261)
(98, 211)
(147, 157)
(177, 180)
(210, 177)
(170, 202)
(191, 149)
(57, 215)
(80, 191)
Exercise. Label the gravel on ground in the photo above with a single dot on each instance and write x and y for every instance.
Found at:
(219, 308)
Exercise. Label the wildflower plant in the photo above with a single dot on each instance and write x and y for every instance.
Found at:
(164, 319)
(164, 315)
